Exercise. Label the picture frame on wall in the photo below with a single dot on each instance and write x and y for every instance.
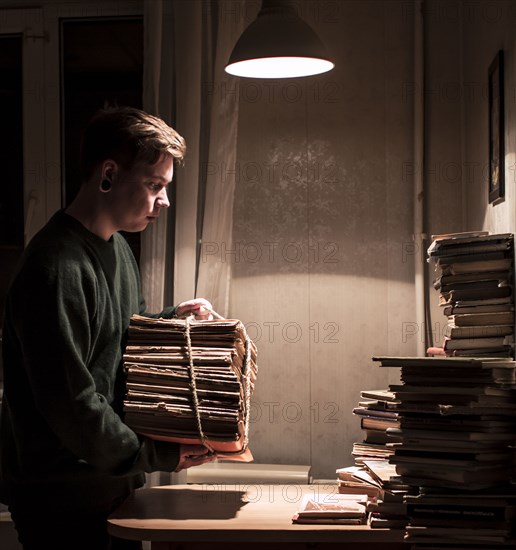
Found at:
(496, 129)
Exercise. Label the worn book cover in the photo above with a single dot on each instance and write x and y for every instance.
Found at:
(332, 508)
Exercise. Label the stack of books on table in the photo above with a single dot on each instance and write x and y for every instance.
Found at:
(372, 474)
(479, 519)
(474, 273)
(457, 430)
(378, 479)
(357, 480)
(376, 413)
(191, 382)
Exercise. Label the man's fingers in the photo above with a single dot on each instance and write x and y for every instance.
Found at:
(191, 457)
(193, 450)
(199, 307)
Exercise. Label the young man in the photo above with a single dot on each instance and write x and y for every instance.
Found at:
(66, 457)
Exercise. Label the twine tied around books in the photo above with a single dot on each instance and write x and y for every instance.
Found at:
(247, 386)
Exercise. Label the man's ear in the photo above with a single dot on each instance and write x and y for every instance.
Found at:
(109, 169)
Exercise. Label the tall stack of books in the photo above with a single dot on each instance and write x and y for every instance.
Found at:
(191, 382)
(457, 431)
(372, 474)
(448, 428)
(376, 413)
(474, 278)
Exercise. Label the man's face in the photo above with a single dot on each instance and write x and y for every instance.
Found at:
(139, 194)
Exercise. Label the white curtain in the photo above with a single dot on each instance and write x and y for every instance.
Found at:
(214, 270)
(186, 45)
(154, 238)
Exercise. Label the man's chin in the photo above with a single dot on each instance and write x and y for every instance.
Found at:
(136, 228)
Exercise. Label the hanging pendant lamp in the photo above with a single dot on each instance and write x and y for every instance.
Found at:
(278, 44)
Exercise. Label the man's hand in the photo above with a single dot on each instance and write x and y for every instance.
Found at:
(199, 307)
(193, 455)
(435, 351)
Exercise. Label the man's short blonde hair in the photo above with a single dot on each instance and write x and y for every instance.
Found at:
(128, 136)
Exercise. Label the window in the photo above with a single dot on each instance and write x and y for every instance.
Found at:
(11, 159)
(102, 64)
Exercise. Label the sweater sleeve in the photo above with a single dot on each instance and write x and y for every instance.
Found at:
(56, 306)
(167, 312)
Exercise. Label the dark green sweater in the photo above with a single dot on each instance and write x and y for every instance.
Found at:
(65, 328)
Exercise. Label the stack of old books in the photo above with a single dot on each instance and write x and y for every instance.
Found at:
(457, 430)
(376, 412)
(378, 479)
(372, 474)
(474, 273)
(191, 382)
(480, 520)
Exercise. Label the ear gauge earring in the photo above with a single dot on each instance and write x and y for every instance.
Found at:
(105, 186)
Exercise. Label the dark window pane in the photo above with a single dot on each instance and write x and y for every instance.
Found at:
(11, 142)
(102, 64)
(11, 160)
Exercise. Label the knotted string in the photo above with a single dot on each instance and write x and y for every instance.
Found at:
(193, 386)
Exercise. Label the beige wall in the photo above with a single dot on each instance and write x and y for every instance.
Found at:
(323, 222)
(462, 39)
(322, 262)
(484, 33)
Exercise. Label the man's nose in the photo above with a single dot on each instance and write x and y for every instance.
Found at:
(162, 200)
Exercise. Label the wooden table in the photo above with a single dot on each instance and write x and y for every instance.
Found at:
(224, 516)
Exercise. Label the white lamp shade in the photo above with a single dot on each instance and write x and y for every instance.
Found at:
(278, 44)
